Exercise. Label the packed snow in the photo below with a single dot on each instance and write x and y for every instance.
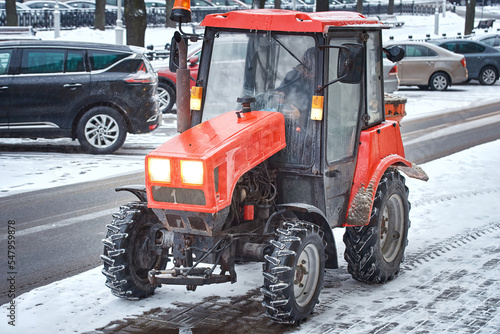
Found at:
(462, 194)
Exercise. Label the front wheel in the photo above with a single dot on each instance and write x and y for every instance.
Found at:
(293, 273)
(488, 76)
(101, 130)
(374, 252)
(439, 81)
(131, 251)
(167, 97)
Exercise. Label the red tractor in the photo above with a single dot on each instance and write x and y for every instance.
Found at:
(282, 138)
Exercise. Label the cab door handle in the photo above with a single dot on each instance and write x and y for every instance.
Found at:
(332, 173)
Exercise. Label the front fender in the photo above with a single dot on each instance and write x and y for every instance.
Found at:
(380, 148)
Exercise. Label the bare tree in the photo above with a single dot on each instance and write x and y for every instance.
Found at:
(470, 15)
(135, 20)
(359, 6)
(100, 14)
(11, 12)
(390, 7)
(322, 5)
(169, 23)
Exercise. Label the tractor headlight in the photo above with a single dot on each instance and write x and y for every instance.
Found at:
(192, 172)
(159, 170)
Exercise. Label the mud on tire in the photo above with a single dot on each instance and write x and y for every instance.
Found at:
(293, 273)
(374, 252)
(130, 252)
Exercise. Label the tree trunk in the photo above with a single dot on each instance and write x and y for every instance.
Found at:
(322, 5)
(11, 12)
(390, 8)
(258, 3)
(470, 14)
(277, 4)
(168, 22)
(359, 6)
(135, 20)
(100, 15)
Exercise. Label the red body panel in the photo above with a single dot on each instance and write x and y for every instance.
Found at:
(380, 147)
(234, 145)
(286, 20)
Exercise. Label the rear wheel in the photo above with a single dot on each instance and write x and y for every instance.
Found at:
(130, 252)
(293, 274)
(488, 76)
(167, 97)
(374, 252)
(439, 81)
(101, 130)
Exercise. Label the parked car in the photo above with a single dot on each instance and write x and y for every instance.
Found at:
(391, 77)
(95, 93)
(483, 61)
(490, 39)
(20, 7)
(38, 5)
(428, 66)
(167, 80)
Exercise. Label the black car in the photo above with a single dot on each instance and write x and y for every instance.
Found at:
(483, 61)
(95, 93)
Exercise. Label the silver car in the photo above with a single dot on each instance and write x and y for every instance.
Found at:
(429, 66)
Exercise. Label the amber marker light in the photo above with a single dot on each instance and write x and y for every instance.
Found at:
(196, 93)
(317, 108)
(192, 172)
(159, 170)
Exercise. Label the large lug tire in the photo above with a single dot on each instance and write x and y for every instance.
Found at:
(293, 273)
(439, 81)
(488, 76)
(167, 97)
(374, 252)
(101, 130)
(130, 252)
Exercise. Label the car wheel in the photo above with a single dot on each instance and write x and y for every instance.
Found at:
(488, 76)
(167, 97)
(101, 130)
(439, 81)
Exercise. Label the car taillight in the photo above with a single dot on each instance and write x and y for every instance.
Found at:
(463, 62)
(394, 70)
(140, 76)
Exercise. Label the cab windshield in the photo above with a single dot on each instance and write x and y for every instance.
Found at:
(278, 70)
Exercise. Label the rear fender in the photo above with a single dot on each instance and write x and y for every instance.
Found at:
(313, 215)
(380, 148)
(138, 190)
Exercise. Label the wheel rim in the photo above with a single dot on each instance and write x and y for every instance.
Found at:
(307, 272)
(102, 131)
(145, 255)
(391, 228)
(164, 99)
(439, 82)
(489, 76)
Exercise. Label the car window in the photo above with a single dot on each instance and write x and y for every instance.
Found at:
(42, 61)
(449, 46)
(75, 61)
(489, 40)
(417, 51)
(469, 48)
(5, 56)
(102, 59)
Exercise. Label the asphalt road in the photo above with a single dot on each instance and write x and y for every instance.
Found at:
(60, 229)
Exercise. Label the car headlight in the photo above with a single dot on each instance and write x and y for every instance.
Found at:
(192, 172)
(159, 170)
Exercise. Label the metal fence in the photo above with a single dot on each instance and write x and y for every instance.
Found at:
(70, 19)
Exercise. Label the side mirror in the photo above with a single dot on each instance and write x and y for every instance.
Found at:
(350, 63)
(394, 53)
(193, 60)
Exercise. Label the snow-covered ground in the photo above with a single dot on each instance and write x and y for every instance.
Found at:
(462, 197)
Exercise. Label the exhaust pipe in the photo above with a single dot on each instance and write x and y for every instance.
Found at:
(183, 87)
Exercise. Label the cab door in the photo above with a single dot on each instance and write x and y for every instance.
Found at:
(348, 107)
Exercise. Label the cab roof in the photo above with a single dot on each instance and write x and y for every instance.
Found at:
(287, 20)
